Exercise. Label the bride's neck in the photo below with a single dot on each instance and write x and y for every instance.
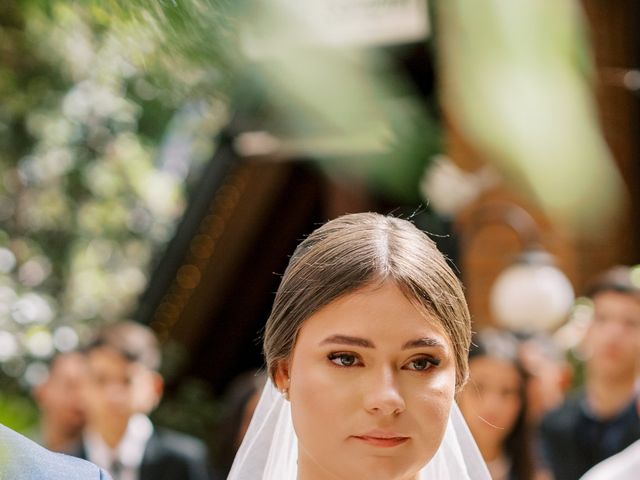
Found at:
(327, 476)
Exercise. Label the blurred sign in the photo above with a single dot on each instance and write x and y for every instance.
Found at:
(368, 22)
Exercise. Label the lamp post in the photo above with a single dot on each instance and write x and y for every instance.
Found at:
(532, 294)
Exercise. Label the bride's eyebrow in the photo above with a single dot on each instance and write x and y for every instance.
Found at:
(347, 340)
(424, 342)
(429, 342)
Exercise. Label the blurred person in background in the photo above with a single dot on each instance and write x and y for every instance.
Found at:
(494, 404)
(600, 419)
(122, 385)
(622, 466)
(240, 401)
(59, 399)
(549, 375)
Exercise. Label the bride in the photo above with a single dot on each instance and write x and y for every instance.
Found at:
(366, 346)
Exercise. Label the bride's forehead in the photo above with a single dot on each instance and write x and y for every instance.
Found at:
(383, 314)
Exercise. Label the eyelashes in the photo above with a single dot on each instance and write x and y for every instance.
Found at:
(419, 363)
(344, 359)
(423, 363)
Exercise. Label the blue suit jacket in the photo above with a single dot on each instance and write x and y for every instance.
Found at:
(22, 459)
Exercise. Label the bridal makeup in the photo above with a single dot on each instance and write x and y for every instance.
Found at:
(371, 381)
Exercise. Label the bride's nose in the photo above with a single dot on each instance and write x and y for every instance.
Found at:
(382, 394)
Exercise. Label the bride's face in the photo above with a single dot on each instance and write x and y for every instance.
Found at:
(371, 382)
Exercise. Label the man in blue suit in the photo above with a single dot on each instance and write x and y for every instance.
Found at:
(22, 459)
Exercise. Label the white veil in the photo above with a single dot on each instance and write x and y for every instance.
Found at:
(269, 450)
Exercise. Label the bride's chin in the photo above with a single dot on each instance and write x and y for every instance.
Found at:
(372, 468)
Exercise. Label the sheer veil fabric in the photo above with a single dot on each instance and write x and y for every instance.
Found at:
(269, 450)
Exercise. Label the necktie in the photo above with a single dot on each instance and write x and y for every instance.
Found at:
(116, 469)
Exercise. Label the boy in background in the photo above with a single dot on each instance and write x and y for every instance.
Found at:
(122, 386)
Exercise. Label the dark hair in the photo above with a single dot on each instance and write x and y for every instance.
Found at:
(235, 401)
(357, 250)
(134, 341)
(617, 279)
(518, 444)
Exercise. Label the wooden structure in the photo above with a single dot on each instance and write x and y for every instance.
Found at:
(487, 251)
(213, 289)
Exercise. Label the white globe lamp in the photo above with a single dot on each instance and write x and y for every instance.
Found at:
(532, 294)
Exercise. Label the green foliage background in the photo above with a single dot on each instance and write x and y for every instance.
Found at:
(96, 147)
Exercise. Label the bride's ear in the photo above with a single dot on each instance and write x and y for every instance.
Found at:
(281, 375)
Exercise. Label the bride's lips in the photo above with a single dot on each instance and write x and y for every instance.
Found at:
(382, 438)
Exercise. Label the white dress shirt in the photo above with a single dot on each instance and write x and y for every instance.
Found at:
(622, 466)
(128, 453)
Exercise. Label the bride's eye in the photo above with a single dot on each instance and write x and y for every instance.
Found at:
(344, 359)
(420, 364)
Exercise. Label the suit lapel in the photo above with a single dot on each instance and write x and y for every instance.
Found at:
(151, 467)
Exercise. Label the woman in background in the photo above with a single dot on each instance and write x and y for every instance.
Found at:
(494, 405)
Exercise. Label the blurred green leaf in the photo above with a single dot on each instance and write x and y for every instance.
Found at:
(516, 79)
(89, 192)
